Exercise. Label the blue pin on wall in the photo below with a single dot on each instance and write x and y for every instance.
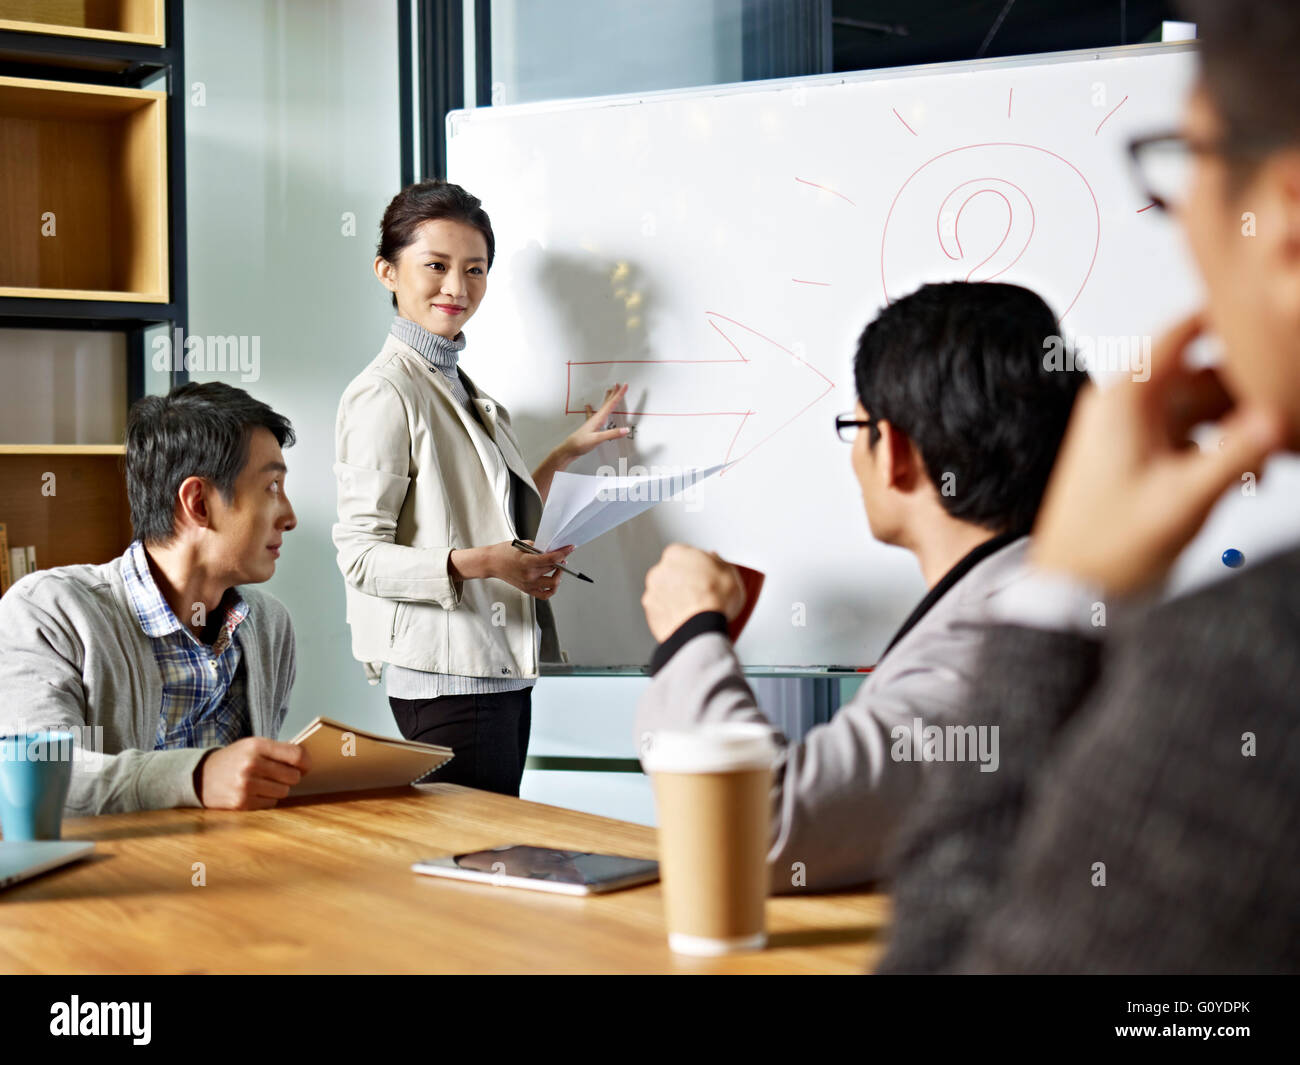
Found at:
(1232, 558)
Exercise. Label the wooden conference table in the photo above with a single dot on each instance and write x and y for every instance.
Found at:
(325, 887)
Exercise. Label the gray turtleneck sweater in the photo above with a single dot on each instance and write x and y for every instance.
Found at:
(439, 352)
(402, 683)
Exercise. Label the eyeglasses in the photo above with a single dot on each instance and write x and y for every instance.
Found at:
(846, 422)
(1162, 163)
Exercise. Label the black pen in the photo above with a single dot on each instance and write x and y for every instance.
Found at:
(530, 549)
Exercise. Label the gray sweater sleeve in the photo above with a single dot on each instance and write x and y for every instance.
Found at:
(1162, 834)
(949, 862)
(837, 796)
(42, 663)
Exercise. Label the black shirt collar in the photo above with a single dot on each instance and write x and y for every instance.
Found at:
(968, 562)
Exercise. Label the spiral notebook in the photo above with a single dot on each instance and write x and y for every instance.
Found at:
(345, 758)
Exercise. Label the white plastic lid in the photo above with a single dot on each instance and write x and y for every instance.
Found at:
(726, 747)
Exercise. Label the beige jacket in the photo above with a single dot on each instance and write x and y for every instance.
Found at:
(412, 488)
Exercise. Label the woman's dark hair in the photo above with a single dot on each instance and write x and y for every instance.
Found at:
(196, 430)
(960, 368)
(426, 201)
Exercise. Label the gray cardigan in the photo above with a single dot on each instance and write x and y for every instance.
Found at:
(838, 796)
(73, 656)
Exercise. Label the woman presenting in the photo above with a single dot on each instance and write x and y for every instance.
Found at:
(432, 489)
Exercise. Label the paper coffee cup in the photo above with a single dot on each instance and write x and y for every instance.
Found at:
(712, 790)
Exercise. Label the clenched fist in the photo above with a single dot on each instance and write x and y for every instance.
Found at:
(687, 581)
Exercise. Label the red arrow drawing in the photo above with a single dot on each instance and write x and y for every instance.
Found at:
(700, 393)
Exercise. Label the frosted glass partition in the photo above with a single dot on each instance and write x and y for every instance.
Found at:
(293, 151)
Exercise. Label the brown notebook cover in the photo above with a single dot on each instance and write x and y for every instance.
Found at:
(344, 758)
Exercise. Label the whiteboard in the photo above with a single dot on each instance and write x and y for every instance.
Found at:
(721, 249)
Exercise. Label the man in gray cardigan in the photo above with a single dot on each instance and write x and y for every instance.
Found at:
(1145, 817)
(172, 675)
(957, 424)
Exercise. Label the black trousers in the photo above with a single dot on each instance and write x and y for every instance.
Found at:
(489, 734)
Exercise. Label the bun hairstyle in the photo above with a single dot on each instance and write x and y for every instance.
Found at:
(428, 201)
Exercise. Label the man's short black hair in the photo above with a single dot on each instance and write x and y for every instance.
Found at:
(196, 430)
(959, 367)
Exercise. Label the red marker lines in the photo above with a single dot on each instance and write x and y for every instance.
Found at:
(904, 121)
(727, 458)
(830, 387)
(724, 336)
(826, 189)
(884, 278)
(956, 229)
(1108, 114)
(938, 221)
(681, 393)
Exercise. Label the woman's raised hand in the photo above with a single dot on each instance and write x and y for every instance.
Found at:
(592, 431)
(587, 436)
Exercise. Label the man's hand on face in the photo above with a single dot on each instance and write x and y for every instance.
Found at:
(251, 774)
(1130, 489)
(685, 582)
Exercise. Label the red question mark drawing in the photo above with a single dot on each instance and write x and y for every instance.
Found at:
(1032, 209)
(947, 222)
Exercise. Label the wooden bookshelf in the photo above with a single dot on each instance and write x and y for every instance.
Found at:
(128, 21)
(81, 513)
(102, 152)
(95, 158)
(87, 519)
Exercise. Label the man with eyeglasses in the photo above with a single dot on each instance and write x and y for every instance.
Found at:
(957, 424)
(1145, 816)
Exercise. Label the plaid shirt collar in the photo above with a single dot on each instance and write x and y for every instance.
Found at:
(152, 610)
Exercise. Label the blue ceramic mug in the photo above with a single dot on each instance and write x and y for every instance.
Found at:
(35, 774)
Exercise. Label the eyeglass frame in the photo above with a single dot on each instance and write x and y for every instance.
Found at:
(1224, 146)
(843, 421)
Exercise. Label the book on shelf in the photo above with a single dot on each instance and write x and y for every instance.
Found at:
(19, 561)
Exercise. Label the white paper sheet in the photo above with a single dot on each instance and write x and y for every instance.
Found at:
(582, 506)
